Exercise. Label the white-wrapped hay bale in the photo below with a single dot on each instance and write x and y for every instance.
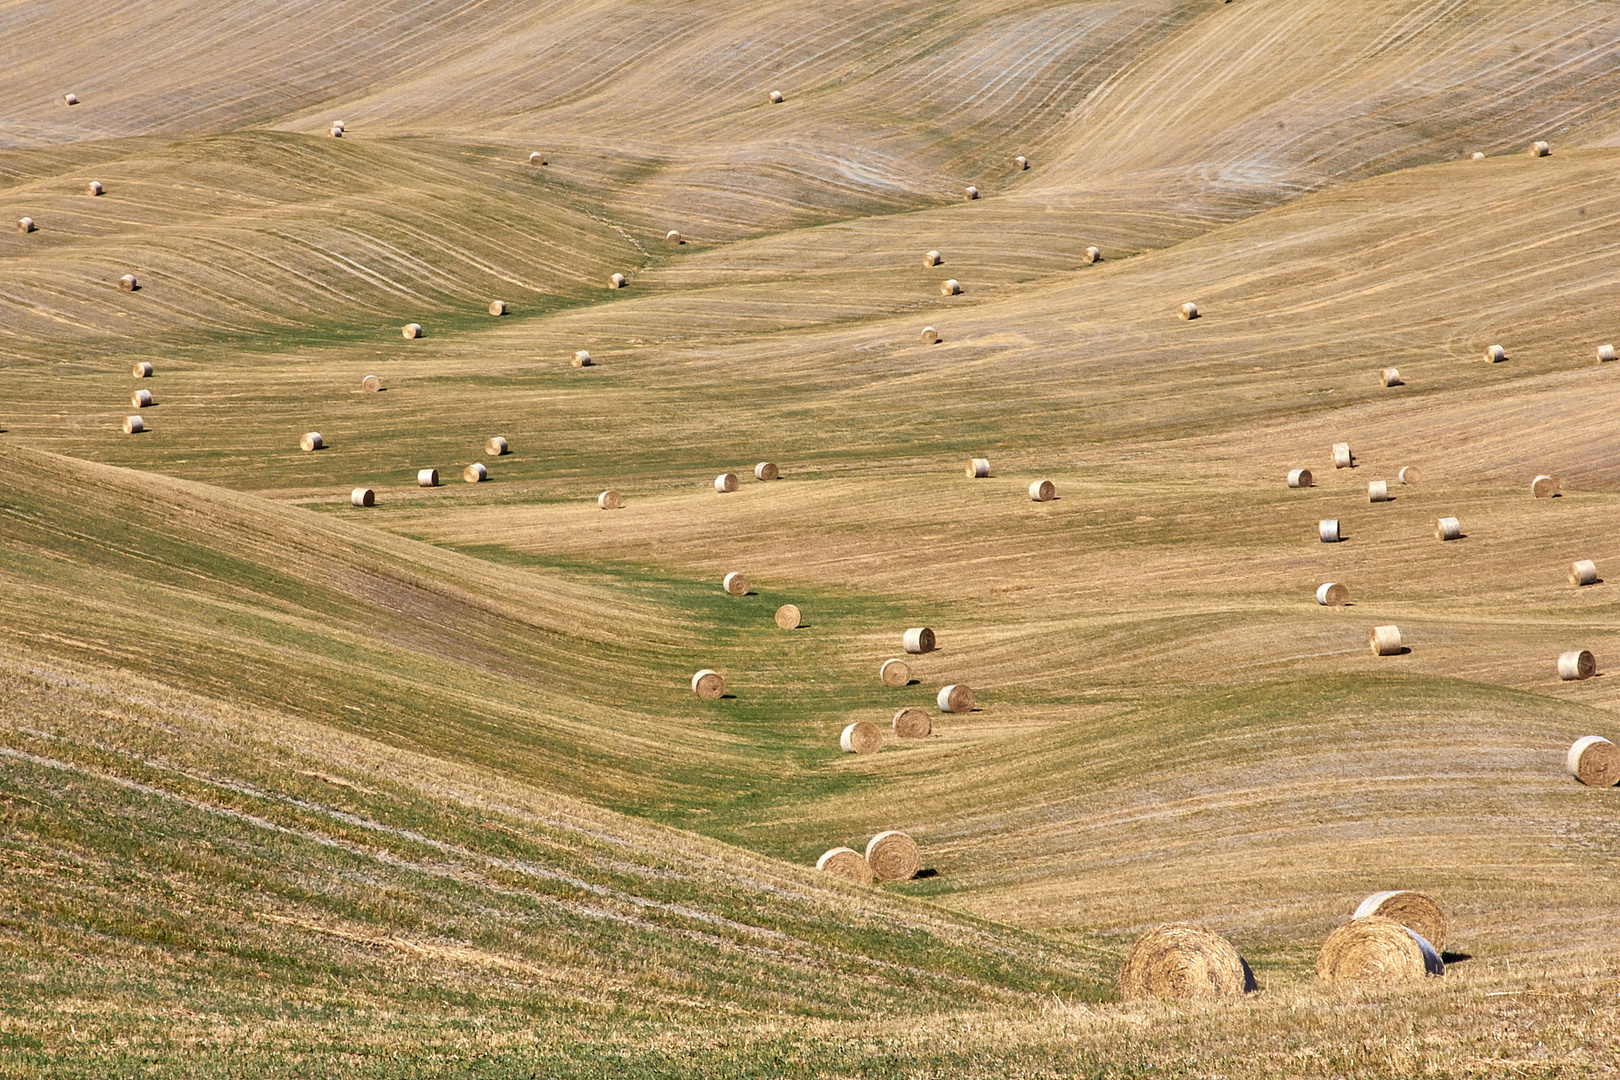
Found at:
(709, 685)
(726, 481)
(919, 639)
(950, 287)
(1189, 310)
(1385, 640)
(1409, 474)
(363, 497)
(1539, 149)
(475, 473)
(893, 856)
(610, 500)
(1376, 951)
(1042, 491)
(766, 470)
(1342, 457)
(1183, 962)
(1413, 910)
(141, 399)
(134, 425)
(537, 158)
(1091, 255)
(1377, 491)
(142, 370)
(932, 258)
(497, 307)
(846, 863)
(26, 225)
(371, 384)
(776, 97)
(955, 698)
(70, 99)
(1299, 478)
(1328, 530)
(1392, 377)
(616, 281)
(497, 446)
(427, 478)
(1332, 594)
(912, 723)
(788, 617)
(1545, 487)
(582, 358)
(1605, 353)
(1583, 572)
(736, 584)
(1576, 664)
(1022, 162)
(861, 737)
(311, 441)
(1594, 761)
(978, 468)
(1495, 354)
(1479, 155)
(673, 238)
(895, 673)
(411, 331)
(94, 187)
(127, 283)
(971, 192)
(1447, 528)
(930, 336)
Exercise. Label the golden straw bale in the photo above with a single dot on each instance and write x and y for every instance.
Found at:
(971, 192)
(1392, 377)
(497, 446)
(1022, 162)
(950, 287)
(1447, 528)
(1377, 491)
(616, 281)
(411, 330)
(919, 639)
(1299, 478)
(1409, 474)
(930, 336)
(1328, 530)
(893, 856)
(1494, 354)
(1576, 664)
(766, 470)
(1183, 962)
(1605, 353)
(371, 383)
(1594, 761)
(94, 187)
(846, 863)
(1332, 594)
(978, 468)
(475, 473)
(895, 673)
(788, 617)
(1413, 910)
(861, 737)
(427, 478)
(71, 99)
(932, 258)
(912, 723)
(955, 698)
(140, 399)
(363, 497)
(142, 370)
(1189, 310)
(1583, 572)
(1342, 457)
(134, 425)
(497, 307)
(709, 684)
(582, 358)
(673, 238)
(736, 584)
(726, 481)
(610, 500)
(537, 158)
(336, 133)
(1539, 149)
(312, 441)
(26, 225)
(776, 97)
(1545, 487)
(1377, 951)
(1091, 255)
(1042, 491)
(1385, 640)
(338, 124)
(127, 283)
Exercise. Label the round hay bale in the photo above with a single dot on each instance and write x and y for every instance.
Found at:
(1594, 761)
(427, 478)
(1377, 491)
(950, 287)
(846, 863)
(736, 584)
(134, 425)
(955, 698)
(1342, 457)
(1494, 353)
(1539, 149)
(496, 446)
(1183, 962)
(610, 500)
(1376, 950)
(363, 497)
(709, 685)
(141, 399)
(411, 330)
(336, 132)
(26, 225)
(1479, 155)
(777, 99)
(912, 723)
(895, 673)
(1392, 377)
(127, 283)
(1447, 528)
(930, 336)
(932, 258)
(1332, 594)
(1576, 664)
(497, 307)
(971, 192)
(861, 737)
(1022, 162)
(142, 370)
(1299, 478)
(1413, 910)
(726, 481)
(71, 99)
(338, 124)
(94, 187)
(1409, 474)
(537, 158)
(1328, 530)
(1091, 255)
(673, 238)
(1385, 640)
(1583, 572)
(1545, 487)
(766, 470)
(978, 468)
(1042, 491)
(919, 639)
(371, 384)
(582, 358)
(788, 617)
(1189, 310)
(312, 441)
(1605, 353)
(616, 281)
(475, 473)
(893, 856)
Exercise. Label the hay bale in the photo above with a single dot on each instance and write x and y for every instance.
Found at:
(616, 281)
(140, 399)
(496, 446)
(475, 473)
(846, 863)
(610, 500)
(1042, 491)
(582, 358)
(893, 856)
(932, 258)
(312, 441)
(127, 283)
(1332, 594)
(1299, 478)
(1413, 910)
(371, 384)
(971, 192)
(26, 225)
(1583, 572)
(1183, 962)
(497, 307)
(94, 187)
(709, 685)
(1385, 640)
(912, 723)
(930, 336)
(673, 238)
(362, 497)
(1376, 950)
(338, 124)
(537, 158)
(1091, 255)
(861, 737)
(950, 287)
(955, 698)
(1342, 457)
(1328, 530)
(1539, 149)
(1409, 474)
(336, 132)
(1494, 353)
(134, 425)
(1479, 155)
(919, 639)
(142, 370)
(1594, 761)
(1605, 353)
(1576, 664)
(1022, 162)
(411, 331)
(895, 673)
(71, 99)
(1377, 491)
(736, 584)
(427, 478)
(788, 617)
(1189, 310)
(1545, 487)
(978, 468)
(776, 97)
(1447, 528)
(1392, 377)
(726, 481)
(766, 470)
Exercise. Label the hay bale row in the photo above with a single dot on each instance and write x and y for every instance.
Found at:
(955, 698)
(788, 617)
(1342, 457)
(1576, 664)
(1378, 951)
(1594, 761)
(1413, 910)
(1385, 640)
(1545, 487)
(1332, 594)
(1583, 572)
(735, 584)
(610, 500)
(1392, 377)
(1183, 961)
(140, 399)
(912, 723)
(1042, 491)
(1328, 530)
(709, 684)
(1299, 478)
(312, 441)
(978, 468)
(919, 639)
(363, 496)
(895, 672)
(861, 737)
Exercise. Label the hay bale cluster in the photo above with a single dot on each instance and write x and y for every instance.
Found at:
(890, 856)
